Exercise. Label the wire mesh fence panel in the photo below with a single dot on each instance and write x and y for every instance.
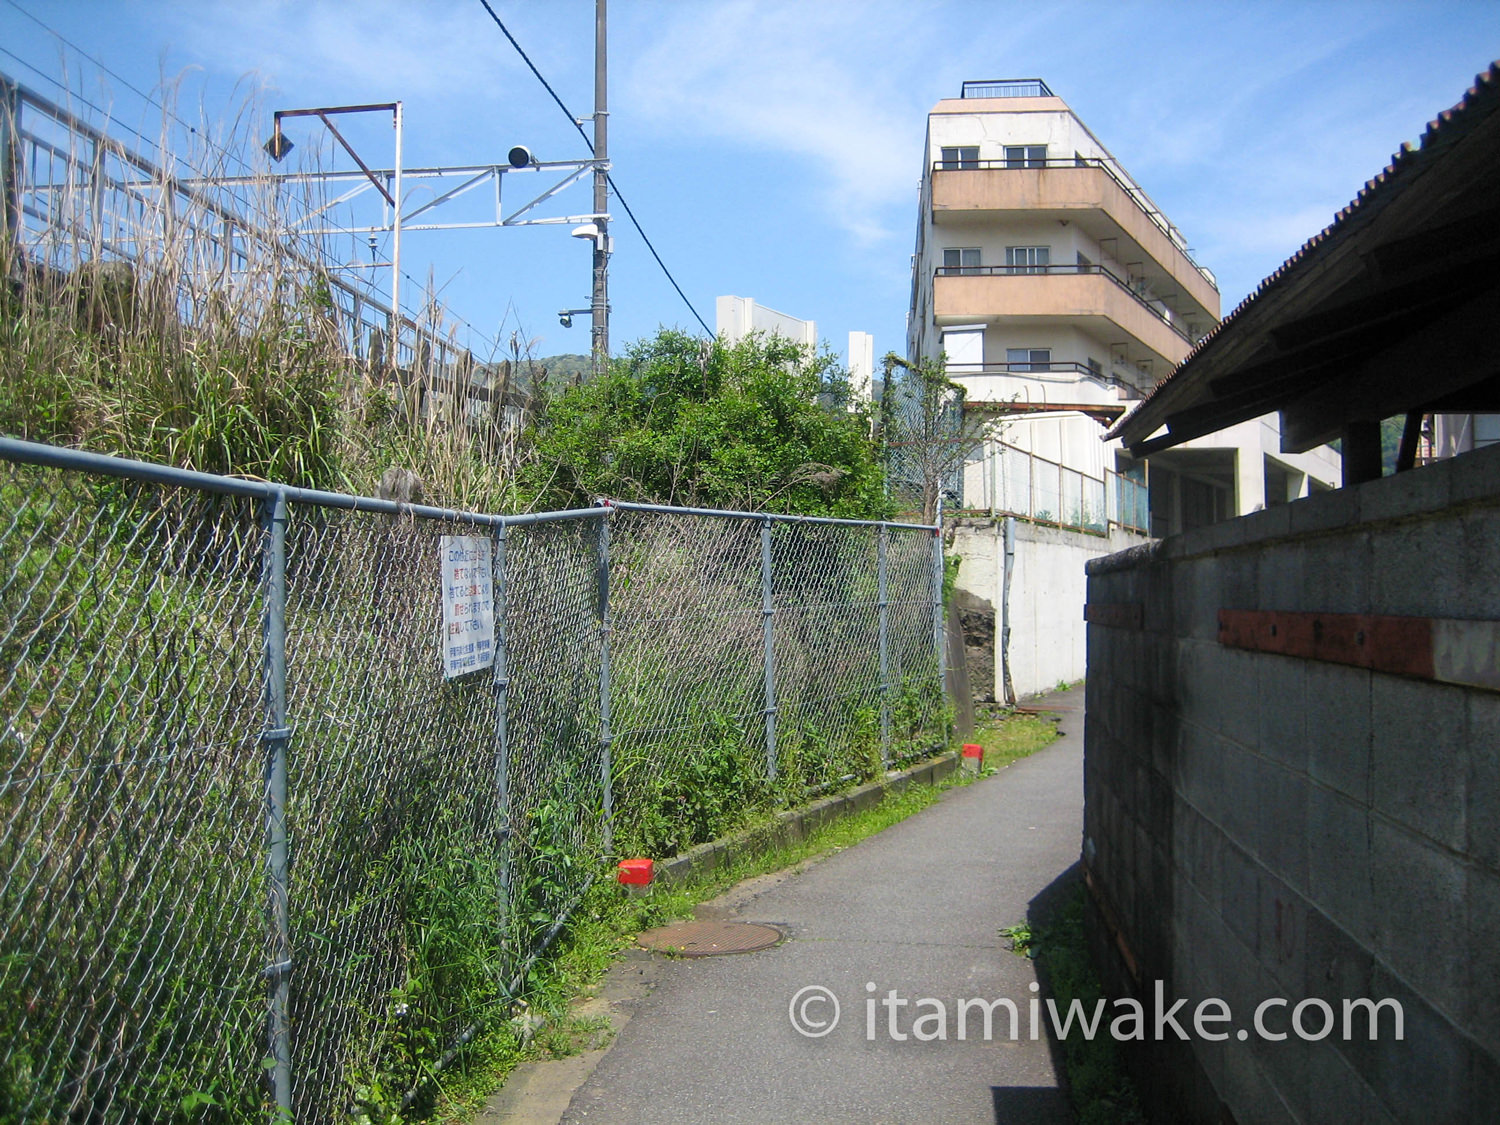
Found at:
(553, 770)
(1047, 490)
(131, 817)
(916, 704)
(688, 687)
(1070, 508)
(1131, 503)
(1094, 516)
(278, 831)
(826, 620)
(392, 810)
(1015, 482)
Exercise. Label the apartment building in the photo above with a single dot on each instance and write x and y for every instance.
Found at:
(1061, 295)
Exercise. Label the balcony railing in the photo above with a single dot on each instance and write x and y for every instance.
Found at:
(1138, 197)
(1160, 311)
(1054, 367)
(1006, 88)
(1012, 482)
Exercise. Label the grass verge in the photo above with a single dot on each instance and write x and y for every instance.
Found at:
(1098, 1086)
(607, 921)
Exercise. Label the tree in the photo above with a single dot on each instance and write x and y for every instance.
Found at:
(758, 425)
(926, 432)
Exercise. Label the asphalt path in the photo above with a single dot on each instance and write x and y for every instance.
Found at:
(916, 909)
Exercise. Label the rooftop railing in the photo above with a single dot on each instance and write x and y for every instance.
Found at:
(1006, 88)
(1137, 196)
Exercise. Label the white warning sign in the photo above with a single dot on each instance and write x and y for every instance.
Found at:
(468, 604)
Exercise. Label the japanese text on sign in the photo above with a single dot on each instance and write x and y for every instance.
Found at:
(468, 604)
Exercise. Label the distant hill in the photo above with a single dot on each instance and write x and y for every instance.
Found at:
(564, 370)
(556, 373)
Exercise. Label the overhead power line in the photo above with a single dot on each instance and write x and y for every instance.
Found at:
(168, 112)
(574, 121)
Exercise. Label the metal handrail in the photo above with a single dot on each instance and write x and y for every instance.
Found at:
(1081, 268)
(1007, 87)
(1055, 367)
(79, 460)
(995, 454)
(1137, 196)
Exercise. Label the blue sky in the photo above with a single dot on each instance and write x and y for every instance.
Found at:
(772, 149)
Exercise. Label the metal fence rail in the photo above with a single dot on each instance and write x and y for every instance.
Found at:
(74, 195)
(1007, 481)
(258, 847)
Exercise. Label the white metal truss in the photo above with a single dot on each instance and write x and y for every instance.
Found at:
(471, 177)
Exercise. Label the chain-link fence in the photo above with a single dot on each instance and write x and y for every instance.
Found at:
(296, 786)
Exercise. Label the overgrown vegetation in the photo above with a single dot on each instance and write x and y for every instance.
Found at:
(928, 432)
(759, 425)
(132, 694)
(608, 920)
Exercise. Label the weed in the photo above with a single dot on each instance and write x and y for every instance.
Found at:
(607, 920)
(1019, 938)
(1100, 1089)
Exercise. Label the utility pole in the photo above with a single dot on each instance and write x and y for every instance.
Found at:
(601, 192)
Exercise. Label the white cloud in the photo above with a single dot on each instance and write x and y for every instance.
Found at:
(812, 81)
(336, 44)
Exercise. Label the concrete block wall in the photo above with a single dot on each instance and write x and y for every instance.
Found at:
(1259, 825)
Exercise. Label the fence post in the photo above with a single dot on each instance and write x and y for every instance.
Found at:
(502, 733)
(937, 608)
(275, 737)
(605, 738)
(767, 614)
(996, 500)
(10, 162)
(885, 658)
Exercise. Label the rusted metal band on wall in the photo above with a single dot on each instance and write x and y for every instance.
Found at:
(1111, 920)
(1447, 650)
(1115, 615)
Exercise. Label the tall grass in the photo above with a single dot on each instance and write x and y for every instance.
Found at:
(140, 320)
(190, 324)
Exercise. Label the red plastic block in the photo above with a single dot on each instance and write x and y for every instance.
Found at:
(636, 872)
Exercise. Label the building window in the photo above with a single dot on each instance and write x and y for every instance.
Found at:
(966, 156)
(1025, 156)
(1096, 369)
(961, 259)
(964, 349)
(1486, 430)
(1028, 359)
(1028, 259)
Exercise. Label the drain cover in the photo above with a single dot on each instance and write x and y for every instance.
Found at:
(710, 939)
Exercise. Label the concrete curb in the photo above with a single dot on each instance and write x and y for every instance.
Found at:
(793, 826)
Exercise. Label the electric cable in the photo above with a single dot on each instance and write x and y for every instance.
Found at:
(590, 144)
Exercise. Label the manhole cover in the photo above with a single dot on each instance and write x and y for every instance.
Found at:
(710, 939)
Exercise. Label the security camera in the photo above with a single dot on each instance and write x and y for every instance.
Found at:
(566, 320)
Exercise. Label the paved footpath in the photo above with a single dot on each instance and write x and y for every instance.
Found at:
(916, 908)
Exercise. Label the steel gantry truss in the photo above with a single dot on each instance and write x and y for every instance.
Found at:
(70, 191)
(471, 177)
